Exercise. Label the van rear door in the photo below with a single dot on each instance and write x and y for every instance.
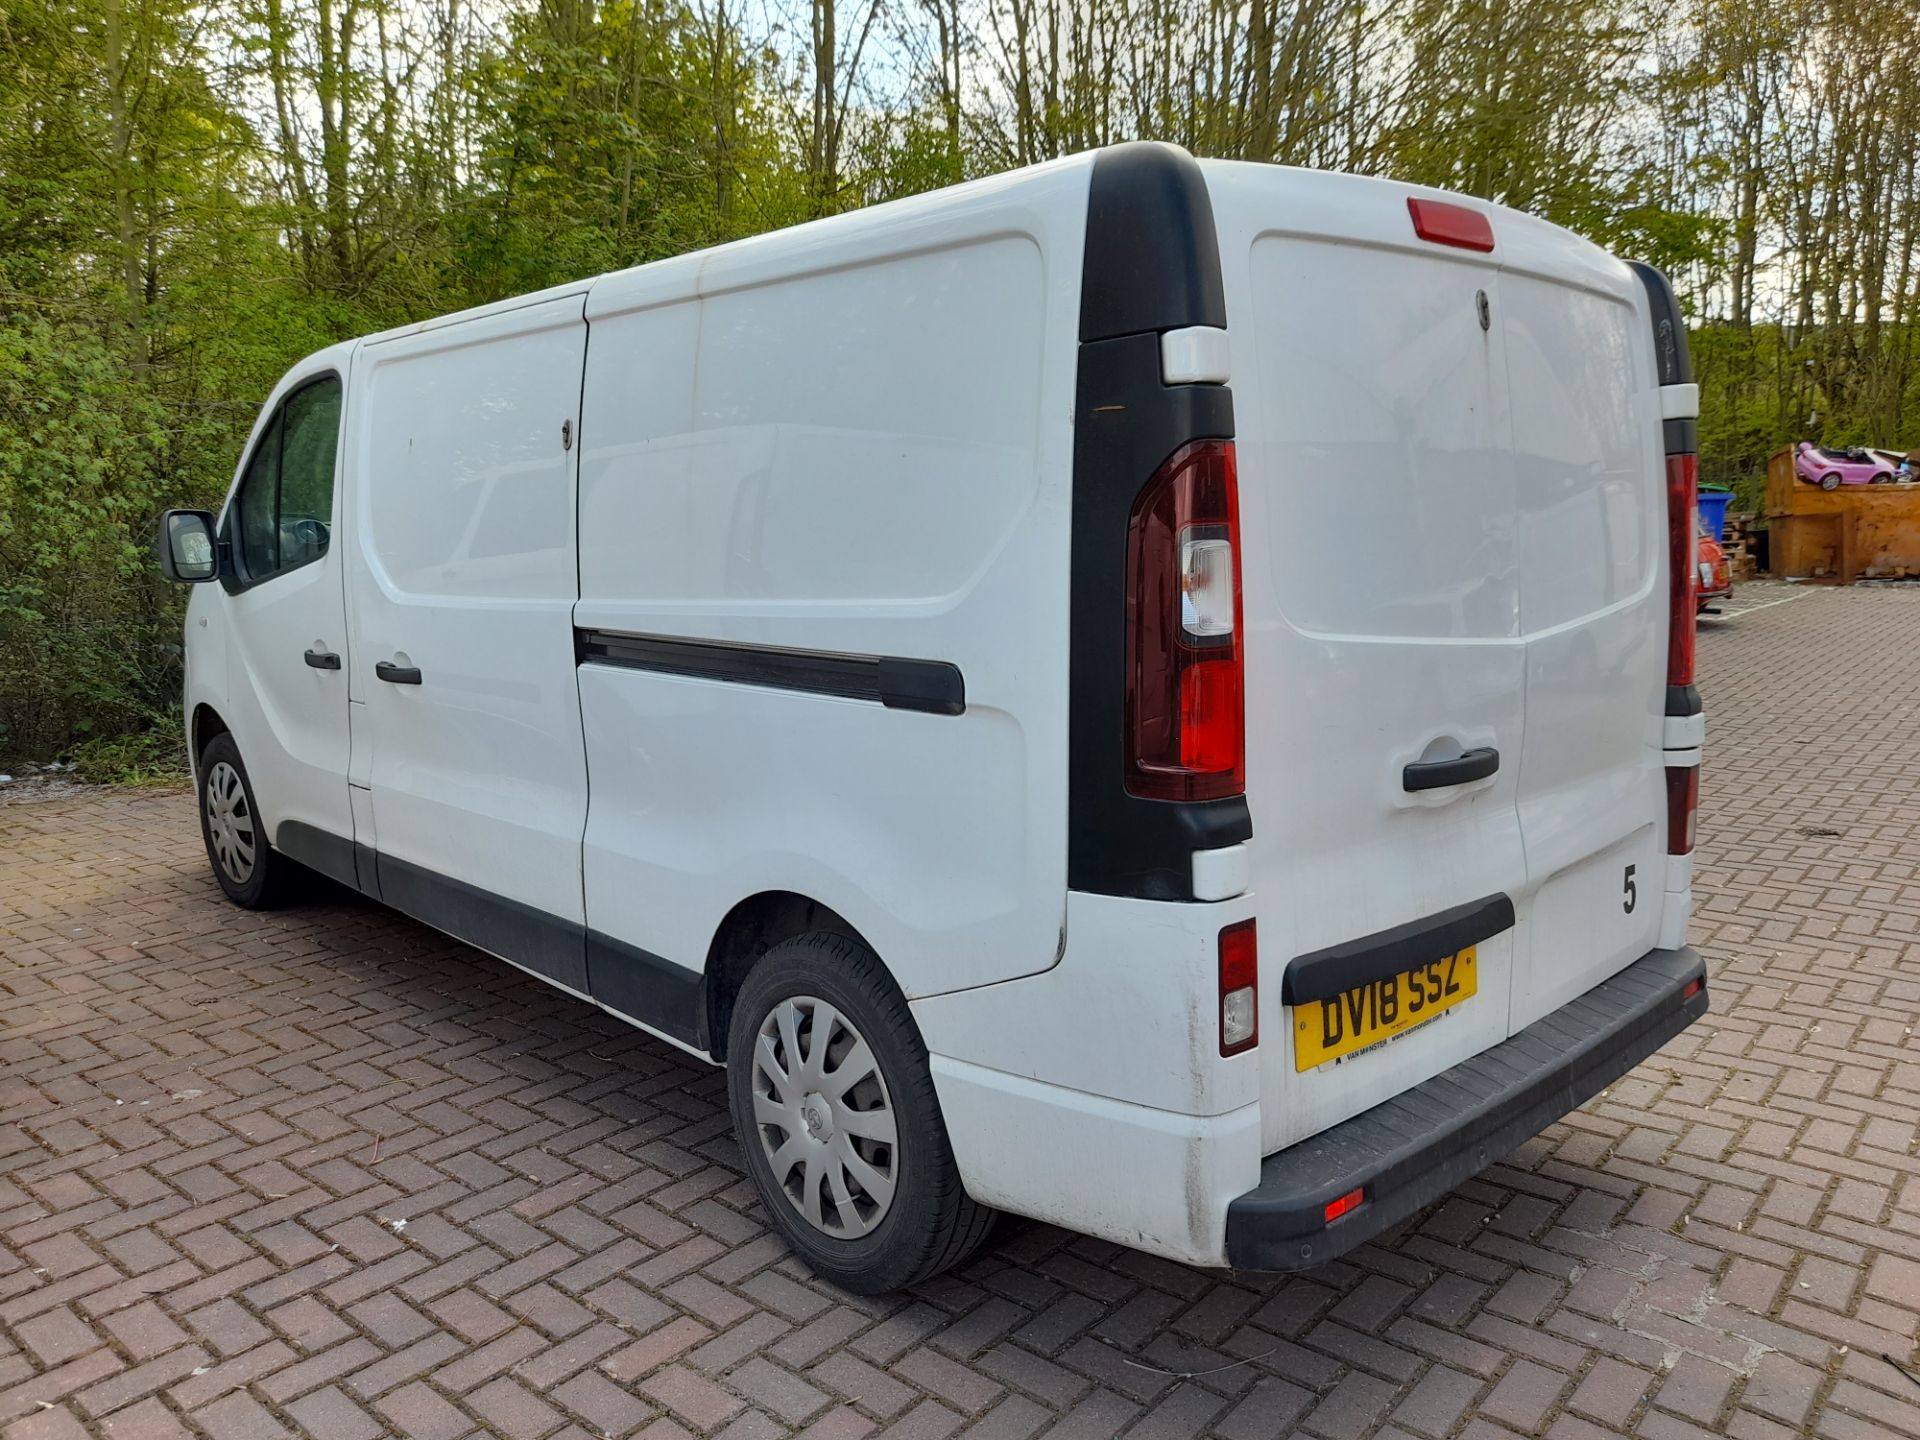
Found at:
(1591, 521)
(1382, 600)
(1453, 505)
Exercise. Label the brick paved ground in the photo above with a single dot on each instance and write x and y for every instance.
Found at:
(324, 1172)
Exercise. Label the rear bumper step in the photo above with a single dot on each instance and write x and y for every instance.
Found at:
(1413, 1149)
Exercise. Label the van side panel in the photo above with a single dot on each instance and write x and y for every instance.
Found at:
(823, 519)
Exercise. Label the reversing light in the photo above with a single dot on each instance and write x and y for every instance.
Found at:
(1346, 1204)
(1239, 988)
(1206, 581)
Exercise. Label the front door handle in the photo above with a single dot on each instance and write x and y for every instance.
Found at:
(397, 674)
(1438, 774)
(323, 660)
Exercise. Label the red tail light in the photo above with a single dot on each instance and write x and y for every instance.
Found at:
(1684, 576)
(1239, 988)
(1186, 724)
(1683, 805)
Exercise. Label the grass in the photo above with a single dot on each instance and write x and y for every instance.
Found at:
(156, 755)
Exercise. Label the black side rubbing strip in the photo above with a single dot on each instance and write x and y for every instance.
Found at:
(646, 987)
(366, 869)
(932, 686)
(317, 849)
(551, 945)
(1340, 968)
(635, 983)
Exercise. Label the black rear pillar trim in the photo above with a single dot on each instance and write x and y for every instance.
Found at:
(1152, 264)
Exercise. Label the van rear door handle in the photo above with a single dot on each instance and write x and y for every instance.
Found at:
(323, 660)
(1438, 774)
(397, 674)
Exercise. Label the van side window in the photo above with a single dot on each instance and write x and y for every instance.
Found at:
(286, 498)
(258, 502)
(309, 437)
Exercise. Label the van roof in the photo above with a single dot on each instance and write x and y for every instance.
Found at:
(696, 271)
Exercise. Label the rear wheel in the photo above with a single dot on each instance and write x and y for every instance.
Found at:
(1830, 481)
(251, 871)
(834, 1106)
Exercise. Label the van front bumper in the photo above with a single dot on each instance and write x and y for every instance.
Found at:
(1414, 1148)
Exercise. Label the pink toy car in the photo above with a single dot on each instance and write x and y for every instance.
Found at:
(1830, 469)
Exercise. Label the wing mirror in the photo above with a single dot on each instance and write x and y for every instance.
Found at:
(188, 552)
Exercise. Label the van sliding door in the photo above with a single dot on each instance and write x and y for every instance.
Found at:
(461, 594)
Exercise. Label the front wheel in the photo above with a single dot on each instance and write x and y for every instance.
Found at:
(835, 1110)
(254, 874)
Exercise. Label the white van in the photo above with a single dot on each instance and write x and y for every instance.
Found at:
(1150, 694)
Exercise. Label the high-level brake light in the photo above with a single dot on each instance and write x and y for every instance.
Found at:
(1442, 222)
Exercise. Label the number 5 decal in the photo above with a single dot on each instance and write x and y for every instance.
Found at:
(1632, 892)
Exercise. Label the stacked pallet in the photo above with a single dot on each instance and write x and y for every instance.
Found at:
(1742, 546)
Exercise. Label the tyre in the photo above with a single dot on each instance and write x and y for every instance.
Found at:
(835, 1110)
(1830, 481)
(254, 874)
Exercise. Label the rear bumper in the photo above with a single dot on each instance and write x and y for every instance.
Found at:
(1416, 1147)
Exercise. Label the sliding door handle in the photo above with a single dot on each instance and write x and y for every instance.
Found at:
(397, 674)
(323, 660)
(1438, 774)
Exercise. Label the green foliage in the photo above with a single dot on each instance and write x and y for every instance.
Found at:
(154, 755)
(88, 640)
(194, 196)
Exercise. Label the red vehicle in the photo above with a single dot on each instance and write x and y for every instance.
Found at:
(1716, 575)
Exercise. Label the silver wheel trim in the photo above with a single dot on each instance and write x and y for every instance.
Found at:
(824, 1117)
(230, 831)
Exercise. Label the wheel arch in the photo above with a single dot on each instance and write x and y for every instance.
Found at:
(205, 724)
(750, 929)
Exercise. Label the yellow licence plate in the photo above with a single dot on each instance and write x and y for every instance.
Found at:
(1326, 1030)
